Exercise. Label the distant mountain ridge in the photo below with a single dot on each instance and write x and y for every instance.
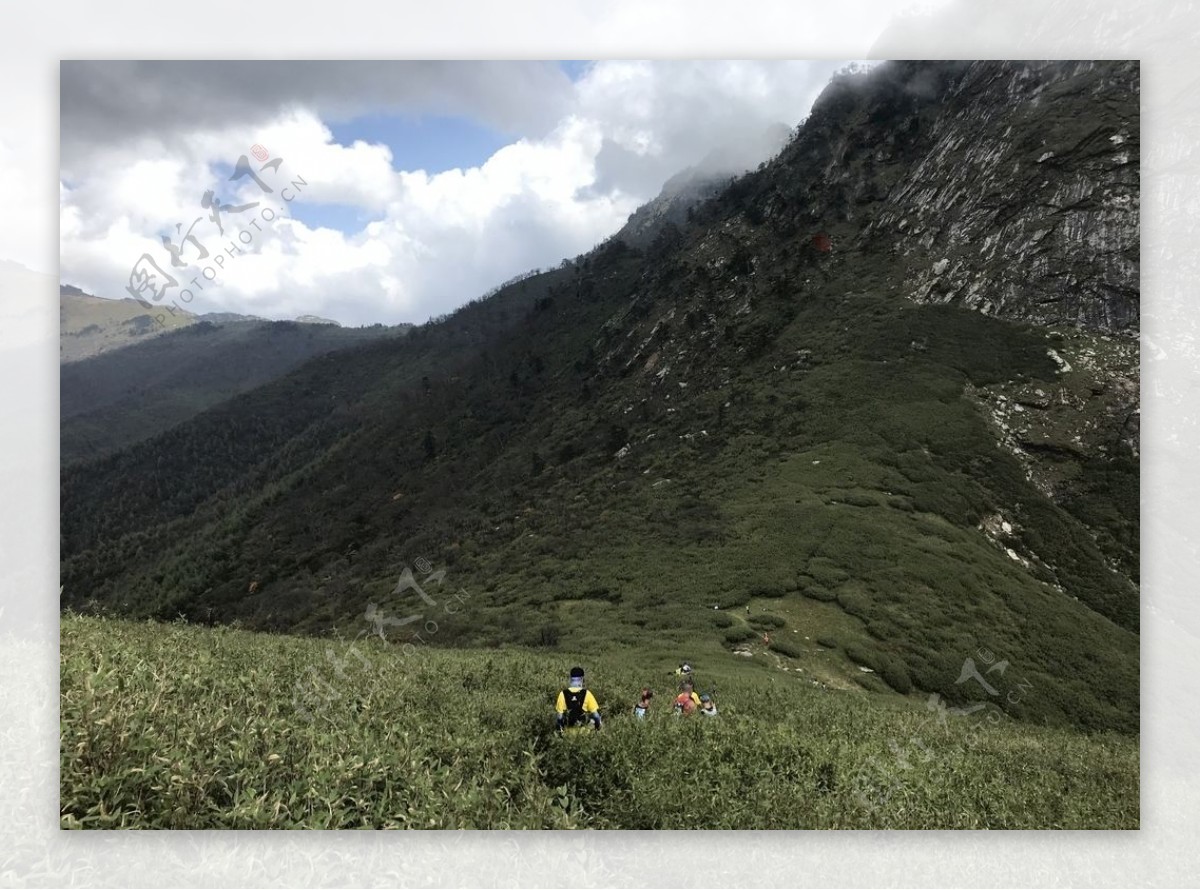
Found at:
(227, 317)
(114, 400)
(91, 325)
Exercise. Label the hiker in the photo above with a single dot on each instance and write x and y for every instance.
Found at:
(687, 701)
(576, 705)
(643, 704)
(684, 673)
(708, 707)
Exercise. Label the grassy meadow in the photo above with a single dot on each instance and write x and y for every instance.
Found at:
(175, 726)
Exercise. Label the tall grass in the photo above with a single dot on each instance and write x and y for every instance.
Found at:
(170, 726)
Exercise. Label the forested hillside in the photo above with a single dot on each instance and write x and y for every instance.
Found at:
(123, 396)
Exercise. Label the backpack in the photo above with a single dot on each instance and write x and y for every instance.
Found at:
(574, 699)
(685, 703)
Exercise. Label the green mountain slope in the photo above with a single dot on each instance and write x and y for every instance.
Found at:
(167, 726)
(732, 416)
(89, 326)
(124, 396)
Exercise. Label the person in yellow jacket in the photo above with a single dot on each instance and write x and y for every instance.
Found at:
(576, 705)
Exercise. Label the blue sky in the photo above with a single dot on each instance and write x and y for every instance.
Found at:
(433, 143)
(575, 69)
(425, 142)
(430, 142)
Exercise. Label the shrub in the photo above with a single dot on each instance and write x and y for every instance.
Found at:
(784, 647)
(860, 500)
(870, 682)
(735, 598)
(815, 591)
(766, 621)
(769, 591)
(600, 592)
(739, 635)
(863, 655)
(827, 641)
(895, 674)
(721, 619)
(853, 599)
(826, 572)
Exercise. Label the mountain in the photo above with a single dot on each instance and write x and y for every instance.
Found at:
(123, 396)
(664, 215)
(226, 317)
(875, 402)
(90, 325)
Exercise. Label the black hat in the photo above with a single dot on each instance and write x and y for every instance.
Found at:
(576, 672)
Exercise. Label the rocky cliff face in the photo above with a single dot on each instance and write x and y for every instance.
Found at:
(1031, 213)
(1023, 202)
(1008, 187)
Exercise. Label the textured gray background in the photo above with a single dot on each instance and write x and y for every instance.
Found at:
(34, 853)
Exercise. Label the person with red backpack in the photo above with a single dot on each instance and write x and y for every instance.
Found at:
(687, 701)
(576, 705)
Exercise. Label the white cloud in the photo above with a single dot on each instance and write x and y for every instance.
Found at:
(436, 240)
